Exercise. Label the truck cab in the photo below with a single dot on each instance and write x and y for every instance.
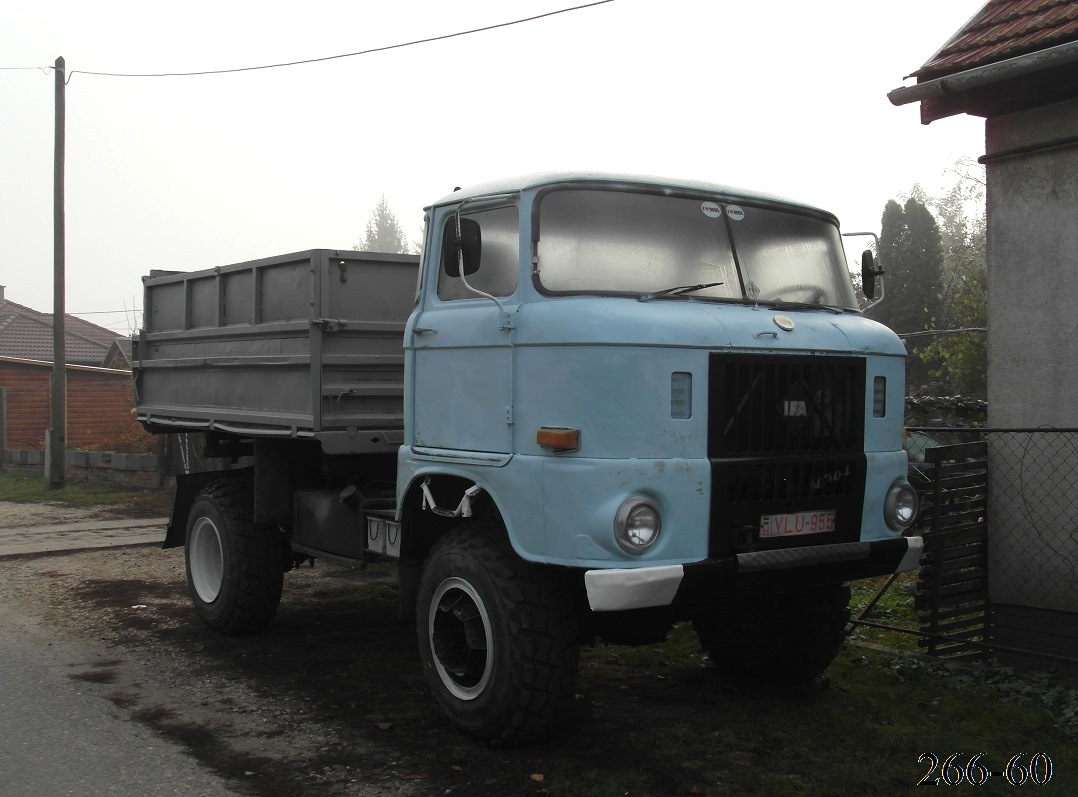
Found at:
(667, 399)
(658, 378)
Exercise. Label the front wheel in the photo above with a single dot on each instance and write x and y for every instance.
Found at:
(498, 637)
(791, 637)
(235, 569)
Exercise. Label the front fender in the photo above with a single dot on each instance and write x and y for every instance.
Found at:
(512, 483)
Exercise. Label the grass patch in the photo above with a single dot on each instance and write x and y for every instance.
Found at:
(895, 607)
(860, 731)
(31, 489)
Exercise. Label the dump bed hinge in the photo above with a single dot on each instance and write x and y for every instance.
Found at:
(329, 324)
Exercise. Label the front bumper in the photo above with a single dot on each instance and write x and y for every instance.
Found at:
(638, 588)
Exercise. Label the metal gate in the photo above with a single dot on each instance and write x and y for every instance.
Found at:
(952, 587)
(1027, 500)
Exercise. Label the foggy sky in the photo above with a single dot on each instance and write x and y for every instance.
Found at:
(184, 173)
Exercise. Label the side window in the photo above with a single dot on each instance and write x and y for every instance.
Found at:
(499, 264)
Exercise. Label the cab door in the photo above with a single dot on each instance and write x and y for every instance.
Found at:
(462, 344)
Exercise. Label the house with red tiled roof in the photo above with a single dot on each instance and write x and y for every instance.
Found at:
(1015, 63)
(100, 398)
(27, 334)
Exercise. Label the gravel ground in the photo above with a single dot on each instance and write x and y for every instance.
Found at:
(330, 699)
(245, 707)
(19, 514)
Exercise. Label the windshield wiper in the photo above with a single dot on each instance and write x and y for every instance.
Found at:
(780, 304)
(677, 290)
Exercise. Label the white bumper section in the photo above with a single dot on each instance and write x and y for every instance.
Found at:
(638, 588)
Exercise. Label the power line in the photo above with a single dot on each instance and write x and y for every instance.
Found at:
(962, 331)
(412, 43)
(105, 312)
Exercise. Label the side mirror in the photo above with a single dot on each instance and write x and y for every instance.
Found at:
(869, 272)
(465, 249)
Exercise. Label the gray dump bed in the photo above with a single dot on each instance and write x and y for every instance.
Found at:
(301, 345)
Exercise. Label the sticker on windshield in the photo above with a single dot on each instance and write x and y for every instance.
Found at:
(711, 209)
(753, 290)
(735, 213)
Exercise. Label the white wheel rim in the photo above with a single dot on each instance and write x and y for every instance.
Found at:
(207, 560)
(459, 634)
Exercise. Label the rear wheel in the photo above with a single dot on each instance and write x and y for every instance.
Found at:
(792, 637)
(235, 569)
(498, 637)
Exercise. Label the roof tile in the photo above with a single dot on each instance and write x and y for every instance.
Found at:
(27, 333)
(1004, 29)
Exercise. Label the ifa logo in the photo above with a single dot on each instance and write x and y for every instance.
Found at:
(795, 409)
(800, 405)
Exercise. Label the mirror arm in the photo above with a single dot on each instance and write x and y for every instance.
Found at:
(504, 317)
(876, 272)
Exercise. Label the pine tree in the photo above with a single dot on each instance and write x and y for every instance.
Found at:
(911, 253)
(384, 232)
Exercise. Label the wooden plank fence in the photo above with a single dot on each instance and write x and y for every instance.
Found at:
(952, 587)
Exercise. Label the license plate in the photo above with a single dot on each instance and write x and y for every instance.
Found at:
(797, 524)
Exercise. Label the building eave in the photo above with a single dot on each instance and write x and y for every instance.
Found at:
(1004, 86)
(45, 364)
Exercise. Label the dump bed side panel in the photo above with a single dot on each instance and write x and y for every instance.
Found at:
(304, 345)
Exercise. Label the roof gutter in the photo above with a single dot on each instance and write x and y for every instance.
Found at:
(960, 82)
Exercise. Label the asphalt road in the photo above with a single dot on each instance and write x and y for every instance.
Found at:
(57, 739)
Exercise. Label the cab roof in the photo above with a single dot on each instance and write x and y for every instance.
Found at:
(608, 180)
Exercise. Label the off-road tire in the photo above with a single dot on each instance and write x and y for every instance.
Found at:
(235, 569)
(498, 637)
(792, 637)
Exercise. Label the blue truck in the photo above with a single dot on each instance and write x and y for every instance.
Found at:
(598, 405)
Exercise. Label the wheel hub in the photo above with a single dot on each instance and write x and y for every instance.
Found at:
(207, 560)
(459, 633)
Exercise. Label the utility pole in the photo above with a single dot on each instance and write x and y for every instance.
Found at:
(56, 442)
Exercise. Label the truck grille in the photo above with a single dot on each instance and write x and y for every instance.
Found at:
(785, 435)
(788, 481)
(785, 405)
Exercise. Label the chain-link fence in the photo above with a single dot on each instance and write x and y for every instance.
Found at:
(1032, 501)
(1025, 511)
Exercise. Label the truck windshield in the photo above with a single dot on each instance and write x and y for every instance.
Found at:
(620, 242)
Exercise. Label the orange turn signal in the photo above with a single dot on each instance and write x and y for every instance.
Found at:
(558, 439)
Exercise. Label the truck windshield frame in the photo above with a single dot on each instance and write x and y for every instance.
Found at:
(618, 242)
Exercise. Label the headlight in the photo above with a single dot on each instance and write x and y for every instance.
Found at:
(637, 525)
(900, 506)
